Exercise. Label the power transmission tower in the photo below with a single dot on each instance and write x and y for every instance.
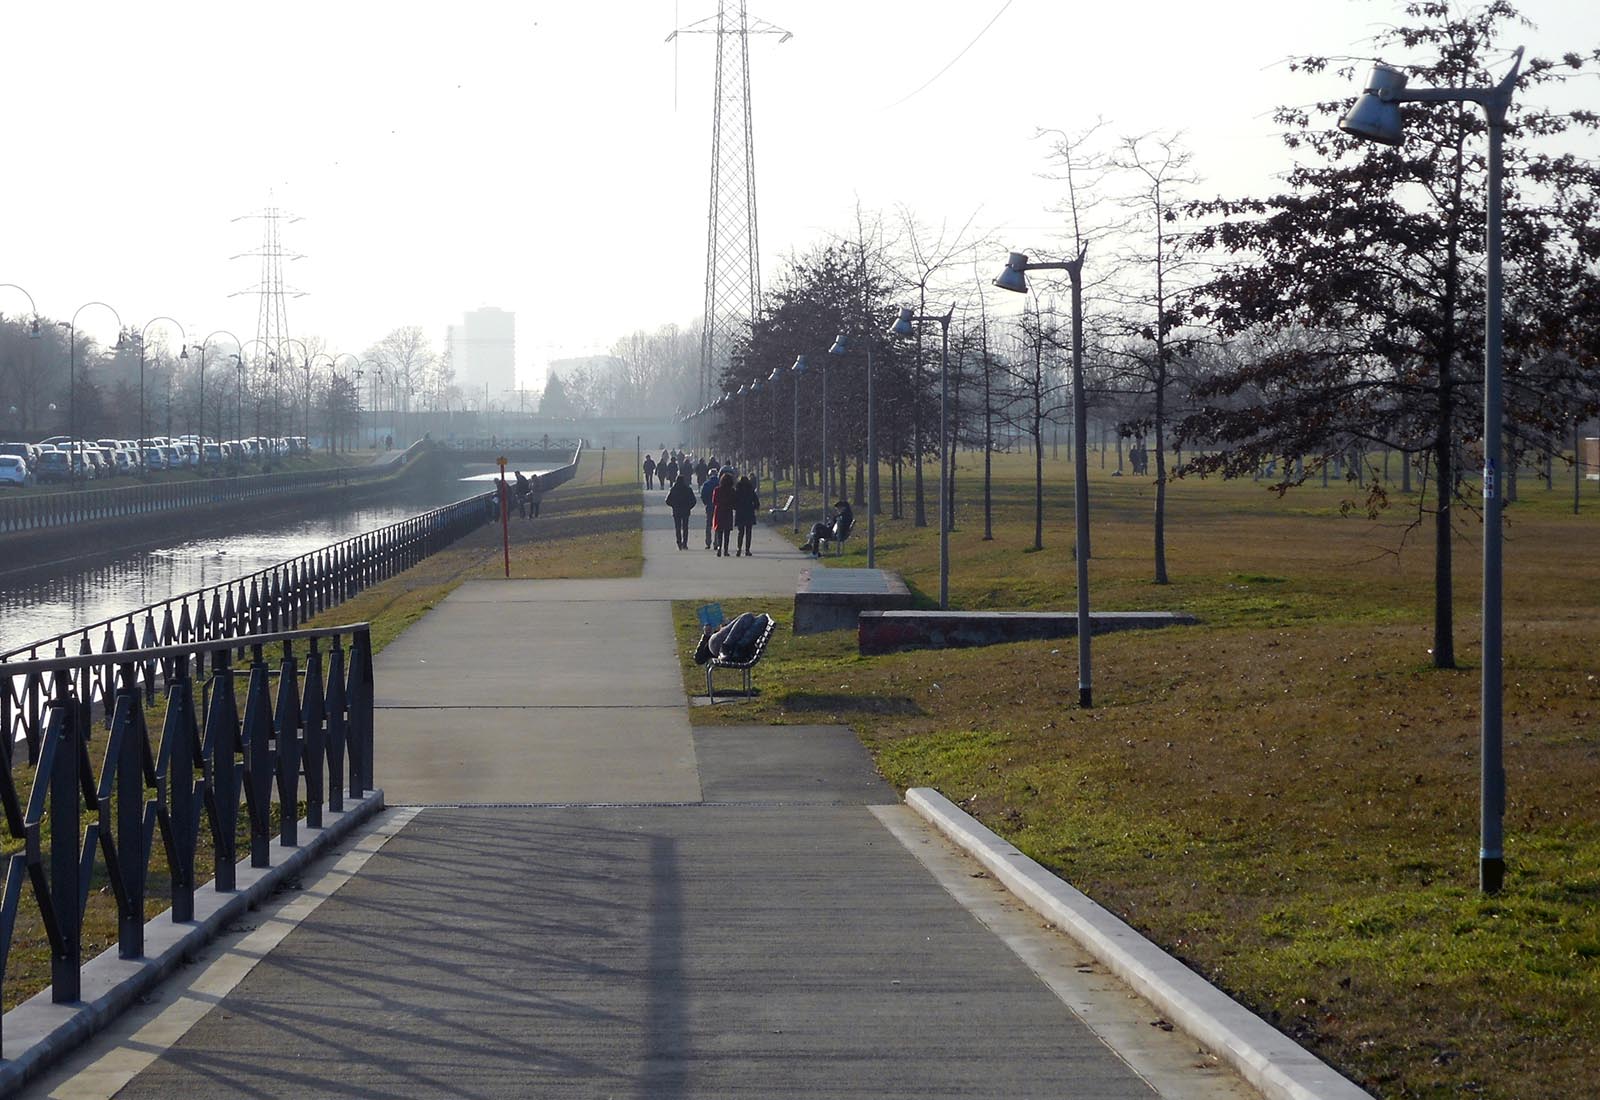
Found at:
(733, 268)
(272, 319)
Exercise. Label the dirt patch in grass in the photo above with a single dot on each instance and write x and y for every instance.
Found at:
(1286, 796)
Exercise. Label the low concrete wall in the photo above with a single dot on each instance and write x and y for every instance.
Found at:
(887, 631)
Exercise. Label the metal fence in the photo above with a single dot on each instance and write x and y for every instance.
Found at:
(279, 597)
(45, 510)
(213, 757)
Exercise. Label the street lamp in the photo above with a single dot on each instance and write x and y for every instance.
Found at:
(71, 326)
(1012, 278)
(333, 383)
(797, 370)
(201, 348)
(1375, 116)
(841, 346)
(33, 331)
(903, 327)
(377, 376)
(773, 379)
(183, 353)
(305, 358)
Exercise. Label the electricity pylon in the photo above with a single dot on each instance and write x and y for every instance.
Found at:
(733, 267)
(272, 319)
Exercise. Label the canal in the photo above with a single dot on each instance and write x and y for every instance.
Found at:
(39, 609)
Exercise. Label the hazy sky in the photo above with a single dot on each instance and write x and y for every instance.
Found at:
(553, 159)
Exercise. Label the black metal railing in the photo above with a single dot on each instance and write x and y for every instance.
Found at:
(45, 510)
(279, 597)
(310, 718)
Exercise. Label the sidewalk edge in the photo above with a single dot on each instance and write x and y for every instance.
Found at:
(38, 1033)
(1269, 1060)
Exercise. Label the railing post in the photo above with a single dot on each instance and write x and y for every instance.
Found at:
(338, 709)
(130, 847)
(287, 717)
(179, 737)
(361, 714)
(258, 762)
(65, 803)
(222, 733)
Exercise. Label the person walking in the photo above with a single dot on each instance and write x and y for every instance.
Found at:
(722, 514)
(672, 472)
(707, 488)
(649, 472)
(681, 500)
(746, 503)
(522, 495)
(535, 495)
(700, 471)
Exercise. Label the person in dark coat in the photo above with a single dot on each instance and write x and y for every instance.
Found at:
(708, 487)
(672, 472)
(681, 500)
(746, 502)
(837, 527)
(700, 471)
(522, 495)
(722, 515)
(649, 472)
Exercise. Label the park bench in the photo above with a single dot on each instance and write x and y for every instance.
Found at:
(745, 665)
(837, 537)
(776, 514)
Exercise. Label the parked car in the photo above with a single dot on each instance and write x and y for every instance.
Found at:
(14, 471)
(214, 454)
(23, 451)
(152, 458)
(55, 466)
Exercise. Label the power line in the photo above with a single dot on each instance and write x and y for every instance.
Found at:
(954, 59)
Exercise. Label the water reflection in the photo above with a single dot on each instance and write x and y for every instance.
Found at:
(45, 608)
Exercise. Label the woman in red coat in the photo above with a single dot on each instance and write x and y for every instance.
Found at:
(722, 514)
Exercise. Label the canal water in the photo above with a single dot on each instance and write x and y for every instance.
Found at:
(30, 611)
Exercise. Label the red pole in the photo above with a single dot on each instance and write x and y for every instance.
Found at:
(505, 517)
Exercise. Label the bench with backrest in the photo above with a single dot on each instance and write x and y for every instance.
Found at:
(776, 514)
(745, 664)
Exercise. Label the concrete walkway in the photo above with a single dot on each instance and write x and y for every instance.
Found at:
(585, 896)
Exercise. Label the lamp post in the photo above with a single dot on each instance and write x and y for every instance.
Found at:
(183, 353)
(1014, 279)
(201, 348)
(841, 346)
(798, 369)
(333, 383)
(772, 385)
(377, 376)
(744, 392)
(1375, 116)
(72, 375)
(305, 362)
(903, 327)
(33, 333)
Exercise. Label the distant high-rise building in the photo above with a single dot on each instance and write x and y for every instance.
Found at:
(483, 352)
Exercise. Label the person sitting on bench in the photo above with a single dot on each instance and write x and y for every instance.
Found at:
(836, 528)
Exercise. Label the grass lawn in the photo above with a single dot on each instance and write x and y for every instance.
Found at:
(1285, 796)
(585, 529)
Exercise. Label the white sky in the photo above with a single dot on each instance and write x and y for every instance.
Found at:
(530, 155)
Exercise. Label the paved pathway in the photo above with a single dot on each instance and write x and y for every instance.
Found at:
(578, 894)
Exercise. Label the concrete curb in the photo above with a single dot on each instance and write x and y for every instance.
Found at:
(37, 1033)
(1280, 1068)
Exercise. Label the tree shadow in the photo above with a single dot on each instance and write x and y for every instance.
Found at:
(833, 702)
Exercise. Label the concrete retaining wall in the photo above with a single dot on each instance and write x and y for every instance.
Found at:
(887, 631)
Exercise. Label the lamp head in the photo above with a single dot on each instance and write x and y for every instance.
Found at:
(183, 353)
(841, 345)
(1375, 116)
(33, 329)
(902, 326)
(775, 375)
(743, 390)
(1013, 277)
(799, 364)
(755, 385)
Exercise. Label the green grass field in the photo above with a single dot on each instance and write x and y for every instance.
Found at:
(1286, 796)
